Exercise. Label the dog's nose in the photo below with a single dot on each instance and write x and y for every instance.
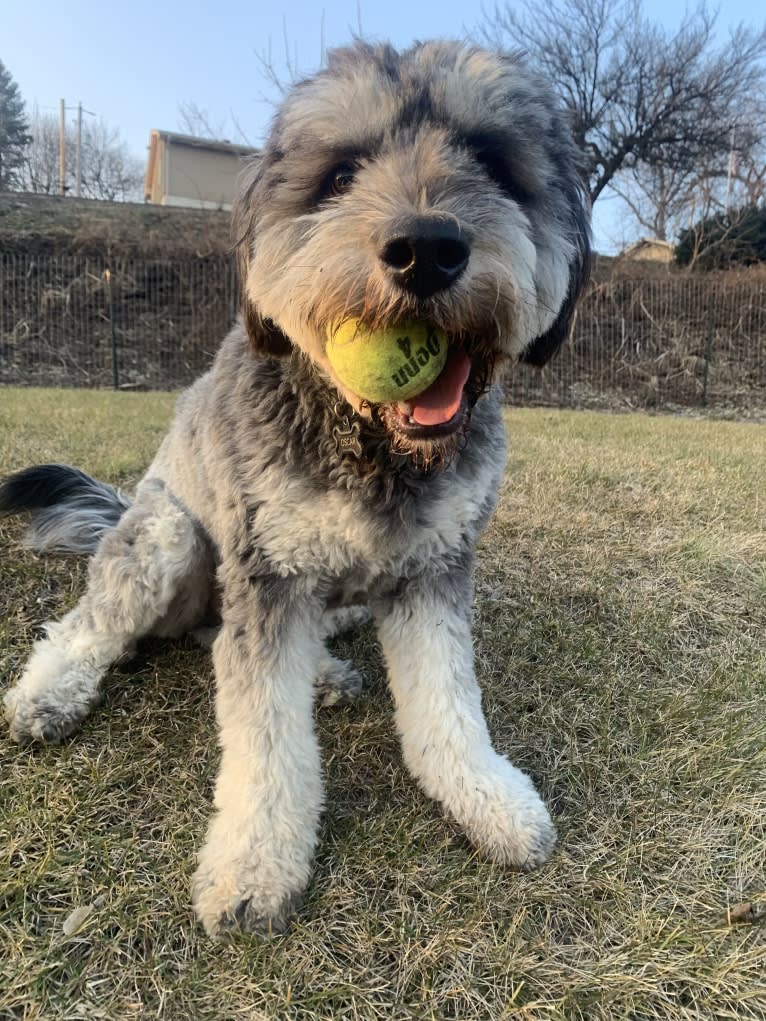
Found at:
(425, 255)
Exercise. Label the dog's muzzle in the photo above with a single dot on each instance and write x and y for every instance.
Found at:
(424, 255)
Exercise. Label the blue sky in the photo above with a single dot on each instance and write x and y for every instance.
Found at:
(134, 63)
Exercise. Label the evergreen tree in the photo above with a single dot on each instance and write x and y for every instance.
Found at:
(730, 239)
(14, 134)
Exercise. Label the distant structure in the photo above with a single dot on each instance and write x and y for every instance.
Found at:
(182, 170)
(649, 250)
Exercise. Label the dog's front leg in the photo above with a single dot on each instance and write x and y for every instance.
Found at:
(426, 638)
(256, 861)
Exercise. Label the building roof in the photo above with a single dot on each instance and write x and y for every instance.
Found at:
(213, 145)
(649, 248)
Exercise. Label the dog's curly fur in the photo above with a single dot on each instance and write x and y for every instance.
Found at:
(439, 184)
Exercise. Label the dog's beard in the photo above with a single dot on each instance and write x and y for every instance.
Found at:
(437, 453)
(429, 455)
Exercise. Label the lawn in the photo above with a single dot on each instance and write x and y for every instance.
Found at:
(621, 614)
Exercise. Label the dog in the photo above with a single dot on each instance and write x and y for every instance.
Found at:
(439, 185)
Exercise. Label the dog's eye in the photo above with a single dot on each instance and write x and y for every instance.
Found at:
(491, 154)
(339, 180)
(502, 175)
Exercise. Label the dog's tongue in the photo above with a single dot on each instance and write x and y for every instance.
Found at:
(440, 402)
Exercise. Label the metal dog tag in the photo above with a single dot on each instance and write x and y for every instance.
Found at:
(346, 434)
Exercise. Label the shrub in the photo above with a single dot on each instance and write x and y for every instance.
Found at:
(727, 239)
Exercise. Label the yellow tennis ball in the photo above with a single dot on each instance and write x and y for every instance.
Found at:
(391, 364)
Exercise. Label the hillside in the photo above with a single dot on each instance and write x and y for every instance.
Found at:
(56, 225)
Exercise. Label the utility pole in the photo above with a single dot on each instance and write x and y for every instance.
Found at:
(62, 148)
(77, 175)
(78, 148)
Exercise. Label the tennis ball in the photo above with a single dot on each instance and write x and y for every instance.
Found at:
(391, 364)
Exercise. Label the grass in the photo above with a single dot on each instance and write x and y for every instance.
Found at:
(621, 612)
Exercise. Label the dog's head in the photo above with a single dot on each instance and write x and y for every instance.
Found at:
(440, 185)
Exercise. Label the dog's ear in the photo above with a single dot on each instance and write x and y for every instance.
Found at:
(544, 347)
(266, 339)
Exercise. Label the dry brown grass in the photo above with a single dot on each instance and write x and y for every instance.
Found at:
(620, 642)
(36, 224)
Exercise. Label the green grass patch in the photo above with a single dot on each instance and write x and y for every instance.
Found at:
(620, 642)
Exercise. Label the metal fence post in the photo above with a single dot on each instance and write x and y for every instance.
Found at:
(115, 365)
(708, 351)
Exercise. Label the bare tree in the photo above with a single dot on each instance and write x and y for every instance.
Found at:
(658, 196)
(750, 175)
(40, 172)
(196, 121)
(193, 120)
(746, 170)
(107, 168)
(638, 94)
(666, 196)
(109, 171)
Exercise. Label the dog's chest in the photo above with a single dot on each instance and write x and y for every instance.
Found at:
(332, 534)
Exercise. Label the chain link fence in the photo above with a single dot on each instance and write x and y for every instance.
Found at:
(661, 339)
(151, 324)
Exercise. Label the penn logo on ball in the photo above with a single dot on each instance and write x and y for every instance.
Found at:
(390, 364)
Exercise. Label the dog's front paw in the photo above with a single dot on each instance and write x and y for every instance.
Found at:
(241, 886)
(504, 817)
(235, 897)
(249, 916)
(52, 698)
(40, 718)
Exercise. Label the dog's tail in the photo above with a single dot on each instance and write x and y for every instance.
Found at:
(70, 510)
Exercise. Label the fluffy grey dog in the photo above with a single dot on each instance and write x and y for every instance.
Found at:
(440, 185)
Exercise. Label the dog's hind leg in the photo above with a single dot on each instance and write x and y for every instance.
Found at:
(151, 573)
(337, 681)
